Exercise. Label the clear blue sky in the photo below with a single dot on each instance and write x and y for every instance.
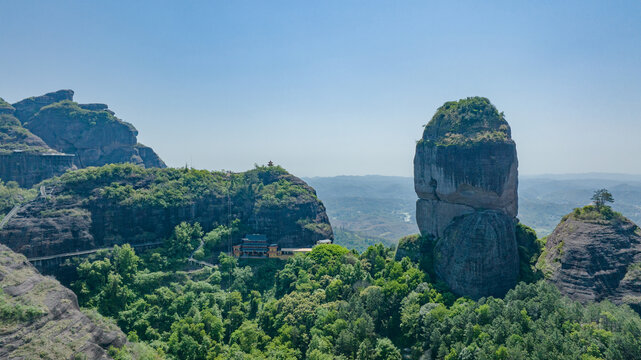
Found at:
(339, 87)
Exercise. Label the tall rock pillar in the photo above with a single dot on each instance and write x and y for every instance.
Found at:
(466, 179)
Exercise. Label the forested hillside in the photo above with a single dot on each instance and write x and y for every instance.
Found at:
(337, 304)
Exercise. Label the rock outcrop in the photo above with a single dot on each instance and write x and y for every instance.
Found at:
(90, 131)
(41, 318)
(14, 136)
(466, 178)
(26, 108)
(115, 204)
(25, 157)
(594, 255)
(79, 135)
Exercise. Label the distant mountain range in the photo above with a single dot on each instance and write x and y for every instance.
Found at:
(369, 209)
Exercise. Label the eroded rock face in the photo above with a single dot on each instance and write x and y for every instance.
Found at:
(478, 256)
(33, 130)
(24, 157)
(592, 258)
(466, 178)
(479, 175)
(28, 169)
(54, 327)
(89, 131)
(436, 215)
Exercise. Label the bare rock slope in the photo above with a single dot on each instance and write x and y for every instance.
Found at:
(466, 178)
(594, 255)
(41, 319)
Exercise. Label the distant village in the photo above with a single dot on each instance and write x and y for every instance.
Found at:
(255, 246)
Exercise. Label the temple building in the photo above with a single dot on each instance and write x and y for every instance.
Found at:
(256, 246)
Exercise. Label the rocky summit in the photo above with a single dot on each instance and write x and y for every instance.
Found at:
(44, 136)
(595, 254)
(466, 178)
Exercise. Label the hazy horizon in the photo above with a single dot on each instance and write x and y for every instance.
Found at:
(334, 88)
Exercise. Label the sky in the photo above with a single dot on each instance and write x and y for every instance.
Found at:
(341, 87)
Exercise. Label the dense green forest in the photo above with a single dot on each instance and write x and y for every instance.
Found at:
(333, 303)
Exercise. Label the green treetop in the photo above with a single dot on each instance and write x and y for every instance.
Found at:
(601, 197)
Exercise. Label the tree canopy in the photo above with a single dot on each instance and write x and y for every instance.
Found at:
(333, 303)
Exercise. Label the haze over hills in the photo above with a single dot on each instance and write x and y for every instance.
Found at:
(378, 207)
(365, 210)
(148, 249)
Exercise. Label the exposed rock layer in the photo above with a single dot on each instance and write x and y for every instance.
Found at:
(28, 169)
(56, 328)
(466, 178)
(595, 259)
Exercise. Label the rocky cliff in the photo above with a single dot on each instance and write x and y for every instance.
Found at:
(465, 175)
(80, 135)
(28, 169)
(593, 255)
(99, 207)
(90, 131)
(25, 157)
(39, 318)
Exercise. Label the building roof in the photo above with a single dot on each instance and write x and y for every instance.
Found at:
(255, 237)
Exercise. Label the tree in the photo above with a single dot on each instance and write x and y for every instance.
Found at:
(385, 350)
(601, 197)
(184, 239)
(125, 262)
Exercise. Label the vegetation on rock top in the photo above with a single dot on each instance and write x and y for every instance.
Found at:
(133, 185)
(467, 121)
(72, 111)
(595, 213)
(13, 136)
